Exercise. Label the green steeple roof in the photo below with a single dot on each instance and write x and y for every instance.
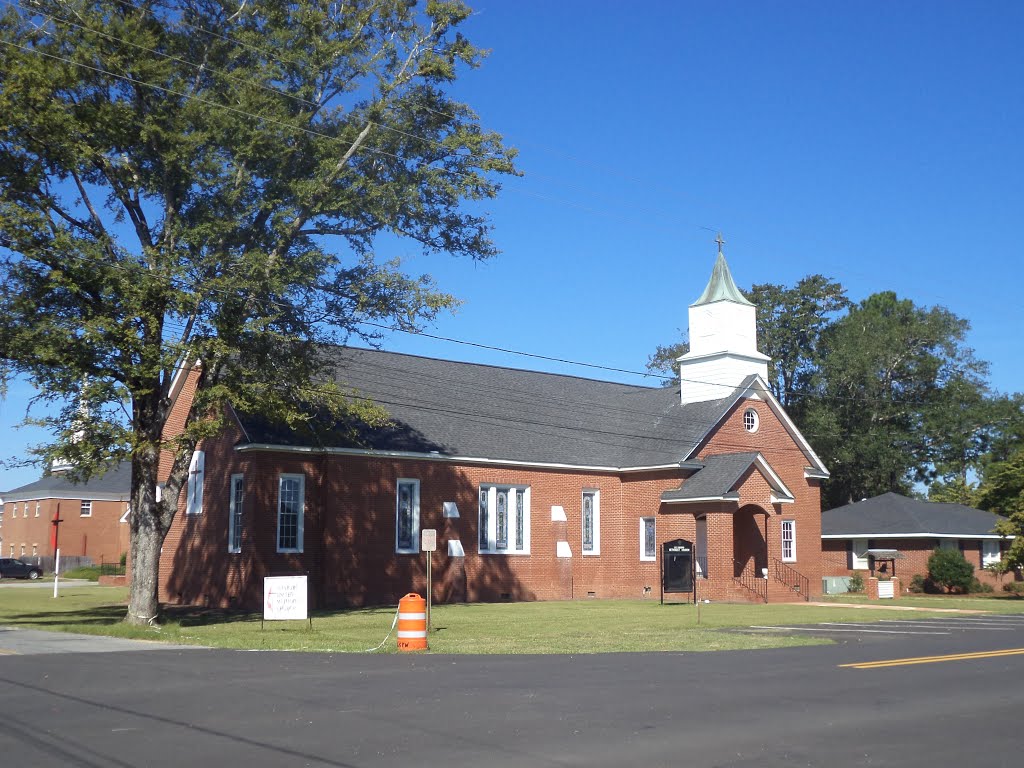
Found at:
(721, 286)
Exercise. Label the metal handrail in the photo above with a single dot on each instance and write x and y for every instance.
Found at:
(749, 579)
(792, 578)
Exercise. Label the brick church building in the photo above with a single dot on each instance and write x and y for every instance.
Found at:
(539, 486)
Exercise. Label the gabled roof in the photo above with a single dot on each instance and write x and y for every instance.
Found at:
(114, 485)
(462, 410)
(894, 516)
(718, 478)
(754, 385)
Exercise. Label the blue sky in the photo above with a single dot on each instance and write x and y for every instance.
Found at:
(877, 143)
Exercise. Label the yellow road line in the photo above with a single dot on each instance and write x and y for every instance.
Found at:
(934, 659)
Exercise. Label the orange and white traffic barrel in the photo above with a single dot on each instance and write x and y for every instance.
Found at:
(412, 623)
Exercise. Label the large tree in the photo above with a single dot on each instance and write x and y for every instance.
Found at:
(895, 395)
(209, 181)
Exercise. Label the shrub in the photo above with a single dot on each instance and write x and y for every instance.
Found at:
(948, 569)
(916, 584)
(980, 587)
(1014, 587)
(856, 583)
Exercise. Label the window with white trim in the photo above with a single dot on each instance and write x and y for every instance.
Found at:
(859, 555)
(86, 508)
(591, 522)
(750, 420)
(648, 541)
(236, 508)
(788, 541)
(504, 521)
(291, 502)
(194, 502)
(39, 504)
(407, 516)
(990, 554)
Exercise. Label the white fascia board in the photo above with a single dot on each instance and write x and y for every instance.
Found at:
(914, 536)
(238, 421)
(703, 499)
(781, 499)
(412, 455)
(756, 357)
(811, 473)
(785, 495)
(181, 372)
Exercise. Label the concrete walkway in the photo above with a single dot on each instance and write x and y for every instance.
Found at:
(31, 642)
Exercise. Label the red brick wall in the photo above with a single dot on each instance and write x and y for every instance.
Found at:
(349, 527)
(784, 456)
(914, 562)
(101, 536)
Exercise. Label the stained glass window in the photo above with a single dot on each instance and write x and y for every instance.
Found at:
(588, 522)
(520, 519)
(407, 516)
(484, 517)
(501, 523)
(649, 543)
(237, 505)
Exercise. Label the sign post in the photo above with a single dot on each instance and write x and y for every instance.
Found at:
(428, 543)
(56, 548)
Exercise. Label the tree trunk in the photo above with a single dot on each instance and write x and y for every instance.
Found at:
(147, 536)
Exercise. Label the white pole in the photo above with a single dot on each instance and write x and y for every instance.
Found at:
(56, 572)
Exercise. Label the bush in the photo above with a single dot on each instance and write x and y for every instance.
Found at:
(980, 587)
(1014, 587)
(916, 584)
(856, 583)
(947, 568)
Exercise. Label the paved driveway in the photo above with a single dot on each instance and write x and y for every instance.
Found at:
(957, 700)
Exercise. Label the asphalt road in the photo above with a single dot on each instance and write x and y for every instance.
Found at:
(784, 707)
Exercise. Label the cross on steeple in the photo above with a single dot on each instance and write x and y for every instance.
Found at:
(720, 242)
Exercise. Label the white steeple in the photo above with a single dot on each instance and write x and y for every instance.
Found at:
(723, 340)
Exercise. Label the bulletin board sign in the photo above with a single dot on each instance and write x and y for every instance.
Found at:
(285, 598)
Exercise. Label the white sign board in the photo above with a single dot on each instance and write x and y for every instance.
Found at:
(428, 540)
(284, 597)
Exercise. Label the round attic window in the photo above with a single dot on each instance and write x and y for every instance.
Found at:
(750, 420)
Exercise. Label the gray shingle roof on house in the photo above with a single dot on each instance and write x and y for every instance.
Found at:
(114, 485)
(718, 477)
(489, 412)
(893, 515)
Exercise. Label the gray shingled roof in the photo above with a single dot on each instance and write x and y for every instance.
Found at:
(114, 485)
(718, 477)
(484, 411)
(894, 515)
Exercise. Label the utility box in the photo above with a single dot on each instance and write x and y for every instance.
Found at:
(835, 585)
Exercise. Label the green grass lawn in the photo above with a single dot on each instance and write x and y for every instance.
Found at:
(595, 626)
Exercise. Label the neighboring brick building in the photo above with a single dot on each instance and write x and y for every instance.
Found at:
(93, 514)
(893, 532)
(540, 486)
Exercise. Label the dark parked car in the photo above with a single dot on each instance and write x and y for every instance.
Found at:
(15, 569)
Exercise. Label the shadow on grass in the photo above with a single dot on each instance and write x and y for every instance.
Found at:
(100, 616)
(194, 616)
